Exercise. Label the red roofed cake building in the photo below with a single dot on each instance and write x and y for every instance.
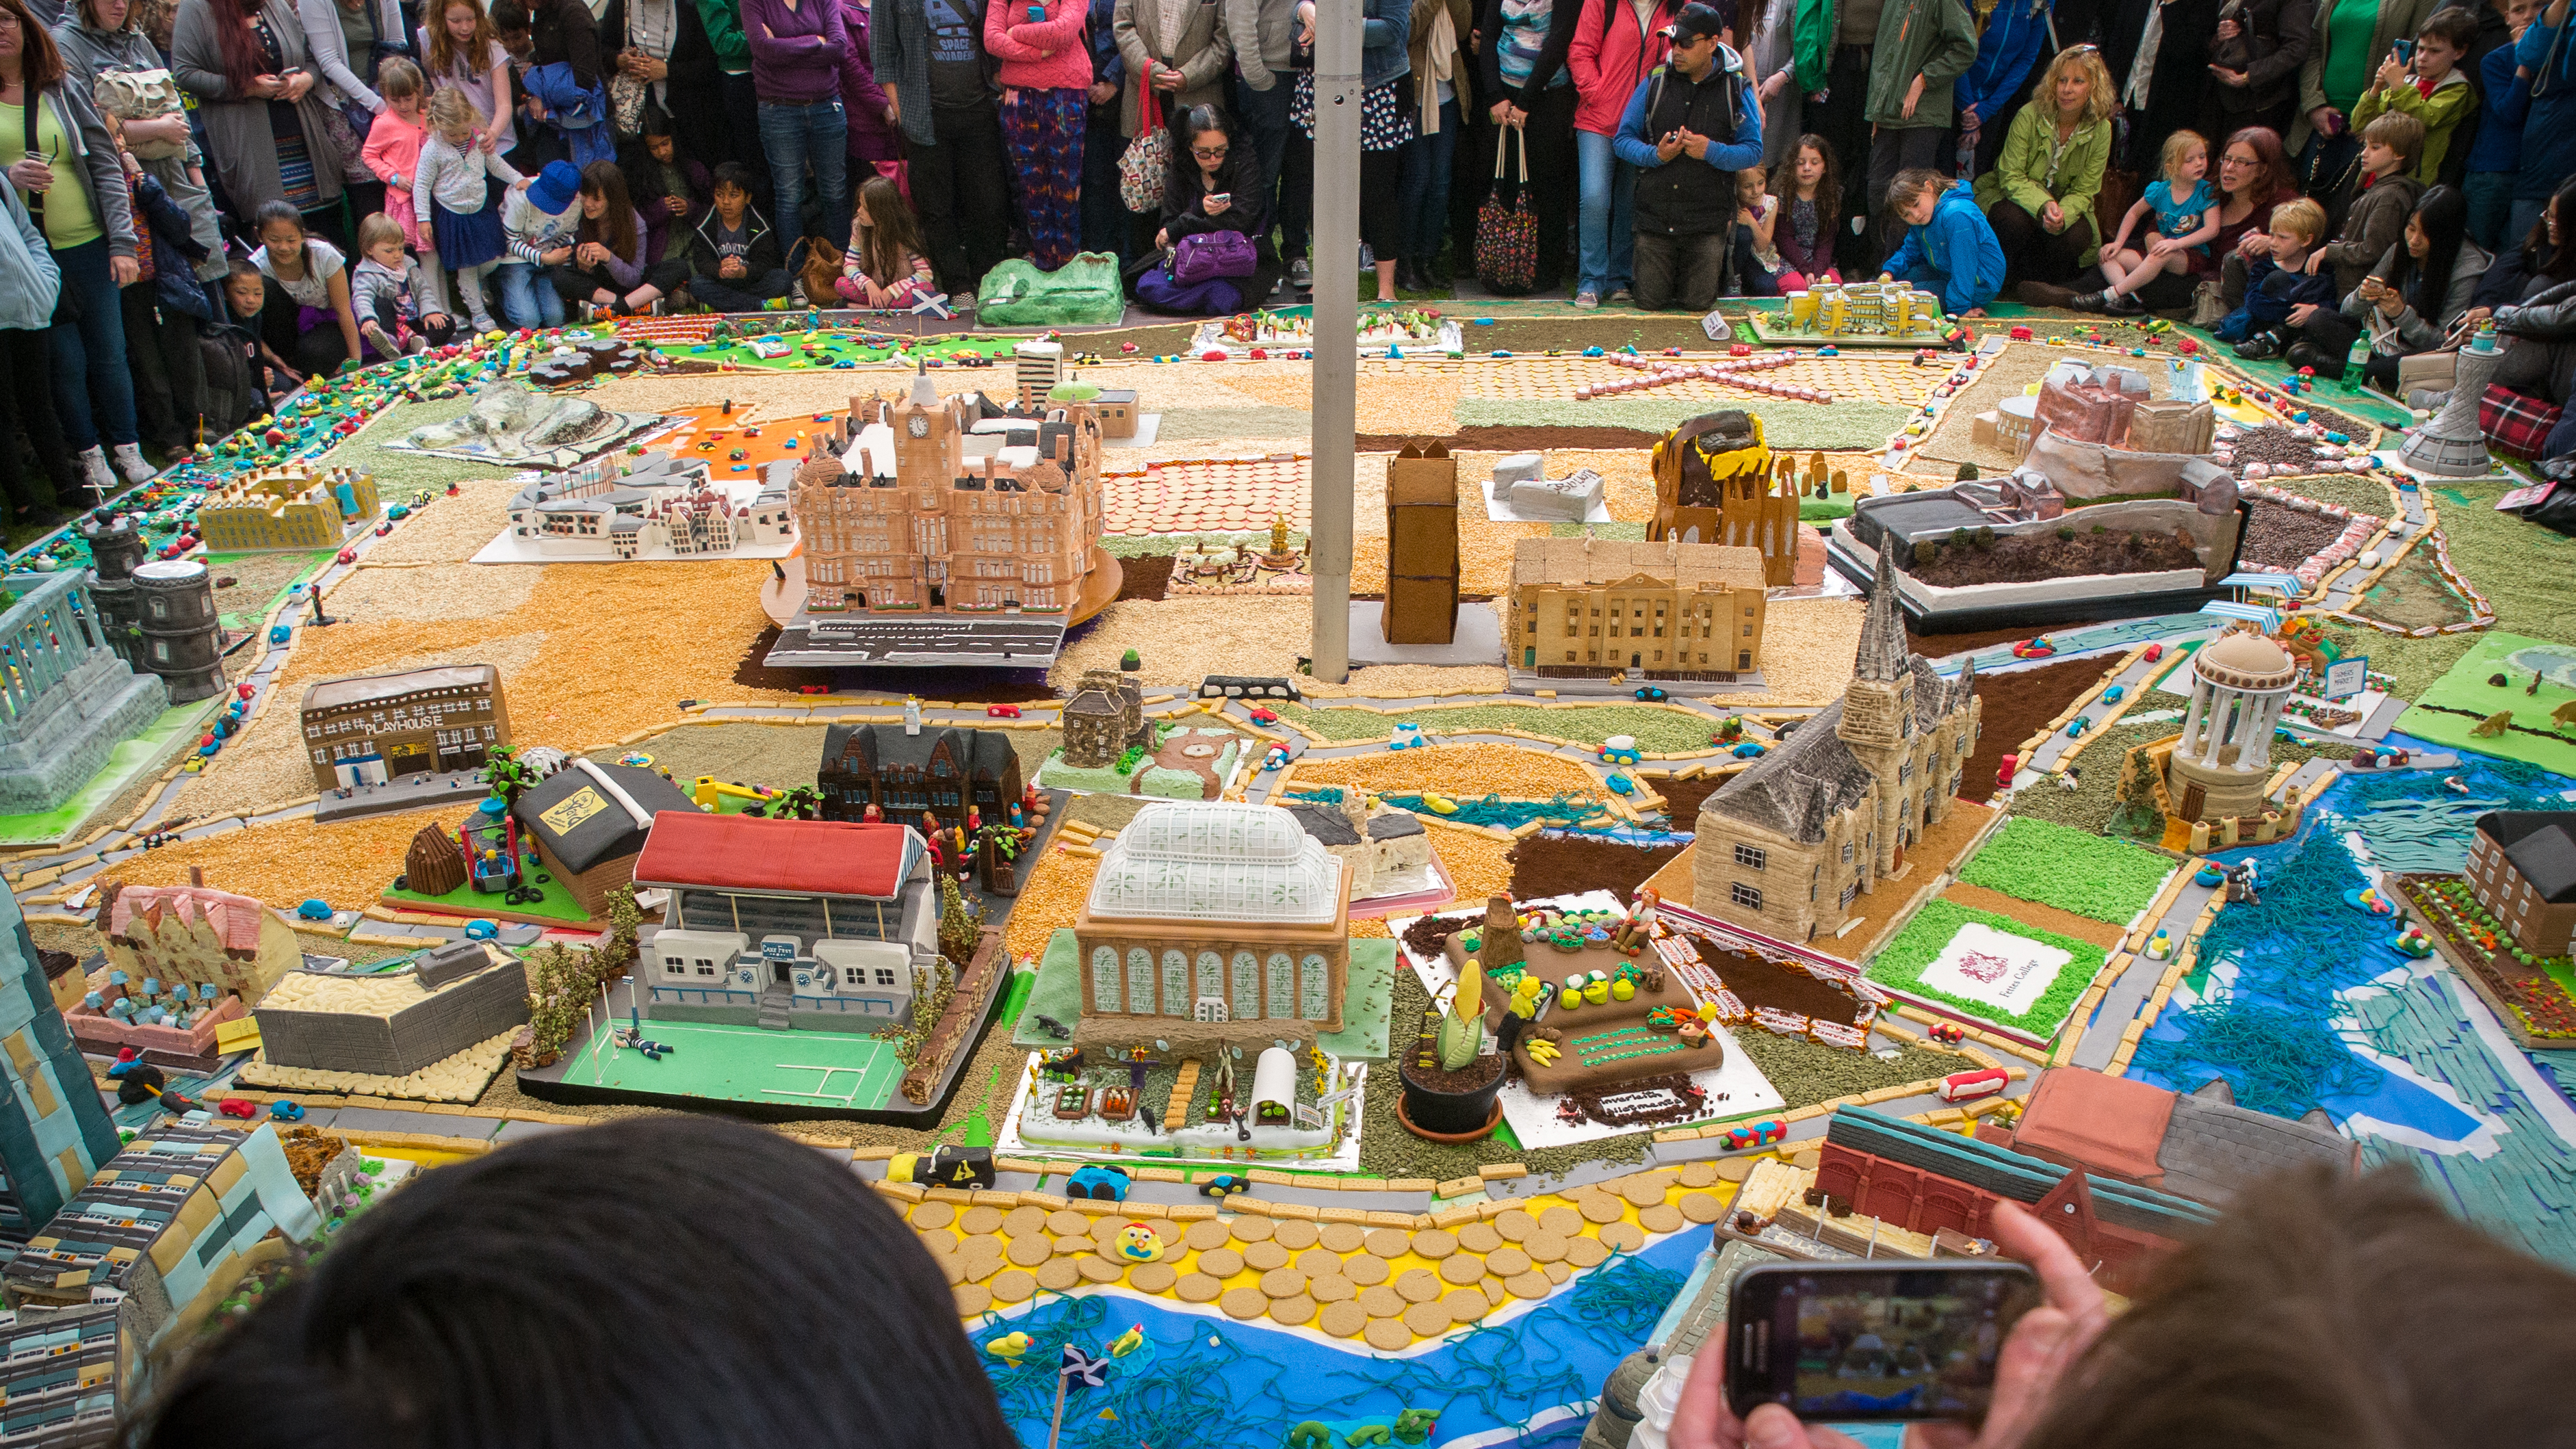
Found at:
(827, 924)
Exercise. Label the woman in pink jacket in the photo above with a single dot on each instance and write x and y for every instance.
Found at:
(1617, 45)
(1045, 75)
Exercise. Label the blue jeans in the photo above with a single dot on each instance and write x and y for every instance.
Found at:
(89, 355)
(1265, 114)
(1606, 239)
(2490, 195)
(794, 135)
(528, 296)
(1428, 160)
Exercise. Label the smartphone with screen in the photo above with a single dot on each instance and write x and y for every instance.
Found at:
(1870, 1342)
(1214, 197)
(2405, 52)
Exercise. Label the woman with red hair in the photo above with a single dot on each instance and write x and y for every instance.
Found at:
(254, 77)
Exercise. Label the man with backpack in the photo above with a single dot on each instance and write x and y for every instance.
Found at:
(1689, 128)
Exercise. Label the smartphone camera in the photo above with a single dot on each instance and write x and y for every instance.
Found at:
(2406, 52)
(1862, 1342)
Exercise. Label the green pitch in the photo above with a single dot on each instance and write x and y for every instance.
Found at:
(839, 1070)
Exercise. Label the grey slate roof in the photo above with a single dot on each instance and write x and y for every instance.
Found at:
(1392, 825)
(1993, 1169)
(984, 754)
(2541, 844)
(606, 831)
(1799, 785)
(2211, 1149)
(1327, 825)
(1883, 653)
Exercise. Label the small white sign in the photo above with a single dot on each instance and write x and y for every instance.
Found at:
(1983, 964)
(2347, 677)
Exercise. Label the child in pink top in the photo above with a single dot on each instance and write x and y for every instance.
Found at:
(1045, 75)
(393, 153)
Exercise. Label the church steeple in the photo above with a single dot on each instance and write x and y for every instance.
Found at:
(1883, 650)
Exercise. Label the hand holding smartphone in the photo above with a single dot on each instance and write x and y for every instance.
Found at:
(1866, 1342)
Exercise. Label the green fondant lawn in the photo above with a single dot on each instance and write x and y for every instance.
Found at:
(2073, 870)
(1900, 967)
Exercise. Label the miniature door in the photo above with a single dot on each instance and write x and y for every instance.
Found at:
(1422, 546)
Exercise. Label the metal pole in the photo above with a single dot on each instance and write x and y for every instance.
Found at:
(1336, 262)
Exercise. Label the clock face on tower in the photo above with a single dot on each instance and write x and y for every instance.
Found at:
(919, 426)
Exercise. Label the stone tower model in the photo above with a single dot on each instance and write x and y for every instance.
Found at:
(2239, 682)
(1878, 706)
(1104, 716)
(2451, 445)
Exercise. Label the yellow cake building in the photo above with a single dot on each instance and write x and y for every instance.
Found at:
(286, 507)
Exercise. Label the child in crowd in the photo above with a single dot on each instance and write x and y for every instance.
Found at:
(246, 300)
(2411, 302)
(381, 292)
(393, 153)
(162, 310)
(307, 315)
(2384, 194)
(884, 267)
(611, 269)
(738, 265)
(541, 220)
(669, 188)
(1949, 247)
(1810, 187)
(1758, 263)
(2278, 283)
(2495, 156)
(454, 186)
(2433, 89)
(2185, 207)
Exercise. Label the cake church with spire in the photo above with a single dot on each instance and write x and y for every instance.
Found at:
(1788, 846)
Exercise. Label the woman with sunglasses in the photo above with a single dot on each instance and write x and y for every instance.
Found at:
(1214, 185)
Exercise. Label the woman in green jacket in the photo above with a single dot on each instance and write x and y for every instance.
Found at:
(2352, 37)
(2039, 197)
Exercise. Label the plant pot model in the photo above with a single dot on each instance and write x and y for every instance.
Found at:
(1445, 1106)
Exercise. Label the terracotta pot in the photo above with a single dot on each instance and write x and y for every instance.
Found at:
(1438, 1115)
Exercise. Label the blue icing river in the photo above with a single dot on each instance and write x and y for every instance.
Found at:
(2305, 1004)
(1208, 1380)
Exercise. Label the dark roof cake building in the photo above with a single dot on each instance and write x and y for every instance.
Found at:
(589, 822)
(906, 769)
(2522, 869)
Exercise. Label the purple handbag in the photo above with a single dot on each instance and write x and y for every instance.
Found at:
(1209, 255)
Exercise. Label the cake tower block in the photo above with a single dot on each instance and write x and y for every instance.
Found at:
(2450, 445)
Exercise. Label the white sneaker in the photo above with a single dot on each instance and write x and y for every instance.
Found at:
(130, 462)
(95, 474)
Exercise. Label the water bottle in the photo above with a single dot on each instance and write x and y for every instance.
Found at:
(2355, 361)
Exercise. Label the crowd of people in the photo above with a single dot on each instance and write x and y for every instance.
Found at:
(221, 198)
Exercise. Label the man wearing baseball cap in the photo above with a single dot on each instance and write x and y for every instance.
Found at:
(1689, 128)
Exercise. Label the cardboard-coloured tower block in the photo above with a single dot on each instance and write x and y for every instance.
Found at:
(1422, 546)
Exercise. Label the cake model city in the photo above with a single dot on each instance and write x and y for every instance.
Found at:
(1754, 844)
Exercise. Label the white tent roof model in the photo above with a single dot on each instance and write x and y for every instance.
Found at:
(1247, 863)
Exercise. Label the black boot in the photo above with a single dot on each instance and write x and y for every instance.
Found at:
(2309, 355)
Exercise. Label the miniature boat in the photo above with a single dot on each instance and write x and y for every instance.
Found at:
(2036, 647)
(2413, 942)
(2210, 874)
(2369, 902)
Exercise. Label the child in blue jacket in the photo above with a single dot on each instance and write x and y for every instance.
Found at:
(2279, 282)
(1949, 248)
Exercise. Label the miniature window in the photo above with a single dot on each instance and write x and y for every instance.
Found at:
(1905, 769)
(1282, 980)
(1176, 983)
(1748, 631)
(1751, 857)
(1746, 896)
(706, 969)
(885, 976)
(1850, 891)
(1847, 852)
(1314, 988)
(1105, 981)
(1247, 986)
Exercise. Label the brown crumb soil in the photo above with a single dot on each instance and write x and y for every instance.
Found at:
(1145, 576)
(1761, 983)
(1567, 865)
(1682, 798)
(1941, 646)
(2280, 537)
(1473, 1077)
(2024, 558)
(2017, 703)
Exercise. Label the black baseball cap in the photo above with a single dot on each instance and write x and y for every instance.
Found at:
(1695, 21)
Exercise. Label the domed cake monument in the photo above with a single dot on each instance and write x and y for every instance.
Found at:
(2239, 682)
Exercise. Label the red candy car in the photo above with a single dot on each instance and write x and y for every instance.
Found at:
(1263, 714)
(1002, 711)
(813, 689)
(242, 1107)
(348, 555)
